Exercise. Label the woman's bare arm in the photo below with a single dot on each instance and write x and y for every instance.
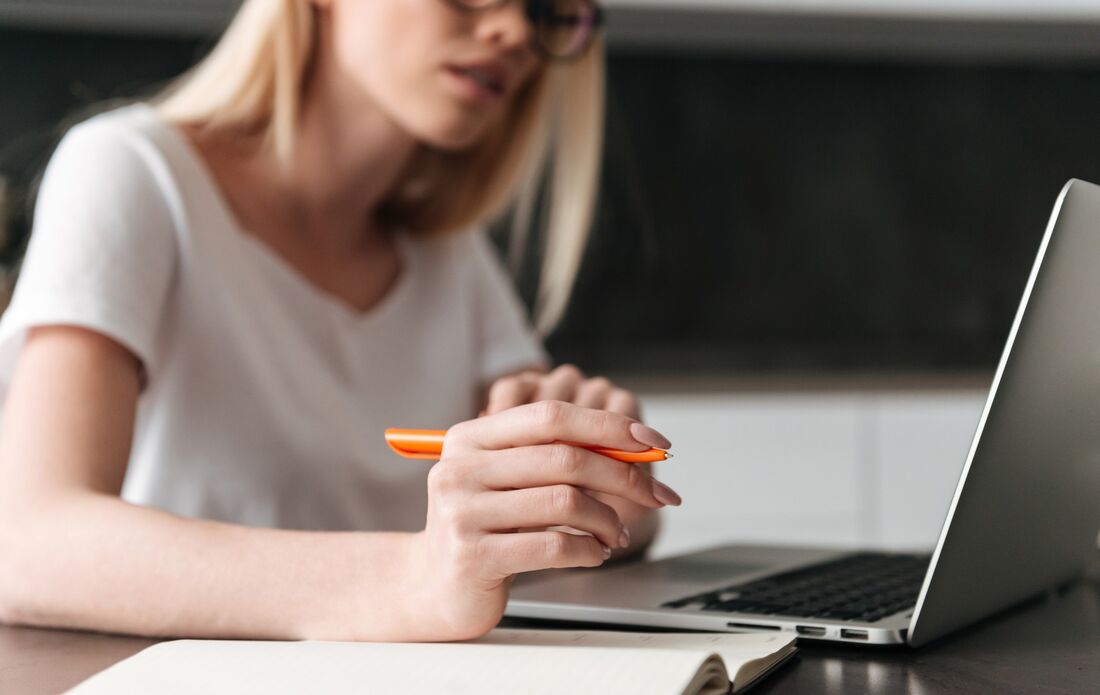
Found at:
(76, 555)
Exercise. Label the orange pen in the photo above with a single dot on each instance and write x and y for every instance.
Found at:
(428, 445)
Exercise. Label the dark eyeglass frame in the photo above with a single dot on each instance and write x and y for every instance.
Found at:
(535, 10)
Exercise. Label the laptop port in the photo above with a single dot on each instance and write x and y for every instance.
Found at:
(810, 630)
(846, 633)
(753, 626)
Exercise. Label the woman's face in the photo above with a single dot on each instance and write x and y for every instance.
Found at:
(442, 74)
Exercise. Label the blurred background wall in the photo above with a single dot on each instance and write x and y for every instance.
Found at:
(817, 219)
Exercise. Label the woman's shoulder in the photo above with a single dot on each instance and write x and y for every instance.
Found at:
(111, 176)
(127, 162)
(119, 145)
(130, 125)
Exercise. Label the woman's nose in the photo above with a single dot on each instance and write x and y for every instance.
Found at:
(505, 27)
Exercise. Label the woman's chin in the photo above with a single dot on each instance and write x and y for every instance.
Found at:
(453, 134)
(453, 140)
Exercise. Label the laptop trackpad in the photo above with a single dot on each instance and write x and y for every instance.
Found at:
(698, 571)
(648, 584)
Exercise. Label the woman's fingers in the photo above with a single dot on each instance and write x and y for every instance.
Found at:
(623, 401)
(512, 553)
(593, 393)
(554, 505)
(510, 391)
(551, 464)
(552, 421)
(560, 384)
(527, 387)
(566, 383)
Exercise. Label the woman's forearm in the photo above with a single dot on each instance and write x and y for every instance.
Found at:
(93, 561)
(73, 554)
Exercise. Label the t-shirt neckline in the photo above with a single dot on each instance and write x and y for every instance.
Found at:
(271, 258)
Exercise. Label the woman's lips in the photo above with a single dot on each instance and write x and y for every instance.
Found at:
(476, 84)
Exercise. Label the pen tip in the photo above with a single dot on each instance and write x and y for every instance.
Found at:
(668, 455)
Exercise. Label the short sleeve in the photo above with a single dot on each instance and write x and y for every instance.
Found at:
(508, 343)
(102, 251)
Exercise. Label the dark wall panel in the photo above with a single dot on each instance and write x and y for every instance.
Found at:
(814, 214)
(758, 214)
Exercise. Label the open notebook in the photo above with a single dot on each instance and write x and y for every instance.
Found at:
(505, 660)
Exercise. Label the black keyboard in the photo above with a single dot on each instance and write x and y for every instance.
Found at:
(863, 587)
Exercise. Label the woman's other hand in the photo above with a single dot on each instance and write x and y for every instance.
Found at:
(509, 471)
(566, 383)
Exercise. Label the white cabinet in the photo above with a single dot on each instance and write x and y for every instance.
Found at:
(843, 469)
(920, 445)
(770, 468)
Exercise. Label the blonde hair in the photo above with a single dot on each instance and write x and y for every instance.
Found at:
(253, 81)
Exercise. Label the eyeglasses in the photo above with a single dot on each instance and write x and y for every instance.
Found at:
(563, 29)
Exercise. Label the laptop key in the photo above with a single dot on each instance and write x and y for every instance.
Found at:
(728, 606)
(840, 615)
(761, 607)
(853, 587)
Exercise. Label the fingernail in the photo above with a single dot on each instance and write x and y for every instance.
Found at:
(665, 494)
(624, 537)
(606, 552)
(649, 436)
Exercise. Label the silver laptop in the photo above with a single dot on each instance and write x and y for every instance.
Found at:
(1023, 520)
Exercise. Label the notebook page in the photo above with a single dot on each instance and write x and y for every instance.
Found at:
(278, 668)
(736, 650)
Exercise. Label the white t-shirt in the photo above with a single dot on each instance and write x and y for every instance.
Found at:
(266, 397)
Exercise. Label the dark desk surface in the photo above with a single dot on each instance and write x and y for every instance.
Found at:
(1050, 645)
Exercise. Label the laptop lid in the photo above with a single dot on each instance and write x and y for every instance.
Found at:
(1026, 511)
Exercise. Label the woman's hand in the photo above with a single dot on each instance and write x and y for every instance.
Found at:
(509, 471)
(566, 383)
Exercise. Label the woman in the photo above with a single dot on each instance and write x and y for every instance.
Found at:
(231, 292)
